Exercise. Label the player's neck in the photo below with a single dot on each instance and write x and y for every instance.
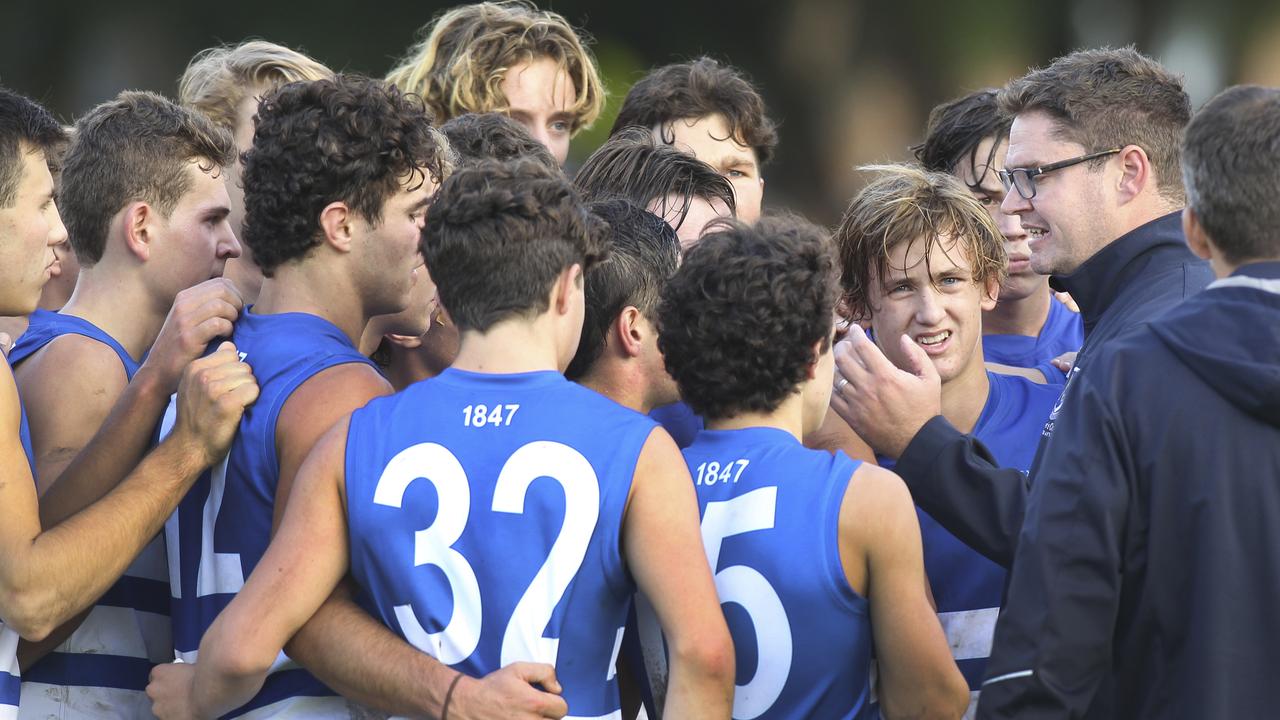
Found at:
(512, 346)
(615, 381)
(1026, 316)
(965, 395)
(120, 304)
(789, 417)
(315, 288)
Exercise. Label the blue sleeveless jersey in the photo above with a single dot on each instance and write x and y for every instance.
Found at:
(680, 421)
(103, 668)
(967, 587)
(10, 677)
(1063, 332)
(484, 516)
(770, 525)
(222, 527)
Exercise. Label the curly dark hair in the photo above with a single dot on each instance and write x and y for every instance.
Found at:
(23, 121)
(135, 147)
(351, 139)
(738, 321)
(696, 89)
(493, 136)
(956, 128)
(643, 253)
(498, 235)
(632, 166)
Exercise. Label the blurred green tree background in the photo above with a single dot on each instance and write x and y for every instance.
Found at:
(851, 81)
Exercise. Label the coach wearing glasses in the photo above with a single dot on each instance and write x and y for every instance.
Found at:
(1093, 172)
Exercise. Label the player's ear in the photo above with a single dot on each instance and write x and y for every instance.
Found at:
(630, 330)
(990, 293)
(820, 347)
(565, 288)
(139, 229)
(335, 220)
(1197, 239)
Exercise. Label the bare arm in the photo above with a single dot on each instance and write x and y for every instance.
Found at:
(89, 429)
(302, 565)
(198, 316)
(662, 542)
(48, 577)
(881, 551)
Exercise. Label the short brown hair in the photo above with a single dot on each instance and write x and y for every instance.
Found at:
(460, 65)
(23, 122)
(1108, 98)
(905, 204)
(134, 148)
(1231, 166)
(498, 235)
(696, 89)
(217, 80)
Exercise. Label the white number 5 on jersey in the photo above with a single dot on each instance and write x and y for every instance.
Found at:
(749, 589)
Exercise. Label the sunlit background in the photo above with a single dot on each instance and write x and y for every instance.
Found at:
(850, 81)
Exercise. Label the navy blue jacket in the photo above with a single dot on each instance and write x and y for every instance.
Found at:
(956, 480)
(1146, 582)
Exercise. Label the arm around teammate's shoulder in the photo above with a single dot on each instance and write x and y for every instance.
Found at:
(882, 554)
(662, 543)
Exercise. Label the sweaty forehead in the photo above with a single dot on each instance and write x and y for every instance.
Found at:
(933, 256)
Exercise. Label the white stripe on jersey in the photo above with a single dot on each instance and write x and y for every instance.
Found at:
(969, 632)
(123, 632)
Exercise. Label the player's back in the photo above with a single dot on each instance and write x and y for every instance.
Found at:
(771, 527)
(485, 517)
(222, 527)
(102, 669)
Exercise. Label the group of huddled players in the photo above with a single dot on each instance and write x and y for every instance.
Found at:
(334, 397)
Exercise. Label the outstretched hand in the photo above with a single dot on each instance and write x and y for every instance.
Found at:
(886, 406)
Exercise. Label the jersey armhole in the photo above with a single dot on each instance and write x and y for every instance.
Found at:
(842, 475)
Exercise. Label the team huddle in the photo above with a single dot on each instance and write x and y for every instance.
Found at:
(329, 396)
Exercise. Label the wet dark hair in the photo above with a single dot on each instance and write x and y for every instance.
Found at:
(696, 89)
(643, 253)
(23, 121)
(350, 139)
(955, 130)
(493, 136)
(632, 166)
(738, 321)
(498, 235)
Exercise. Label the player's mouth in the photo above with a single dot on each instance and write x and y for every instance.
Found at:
(53, 269)
(1035, 236)
(1019, 263)
(934, 343)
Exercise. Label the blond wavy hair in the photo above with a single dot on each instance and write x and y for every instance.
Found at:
(219, 78)
(460, 65)
(906, 204)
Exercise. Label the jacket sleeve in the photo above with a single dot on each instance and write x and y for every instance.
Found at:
(955, 479)
(1053, 643)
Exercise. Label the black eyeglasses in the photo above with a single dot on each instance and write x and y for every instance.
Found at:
(1024, 179)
